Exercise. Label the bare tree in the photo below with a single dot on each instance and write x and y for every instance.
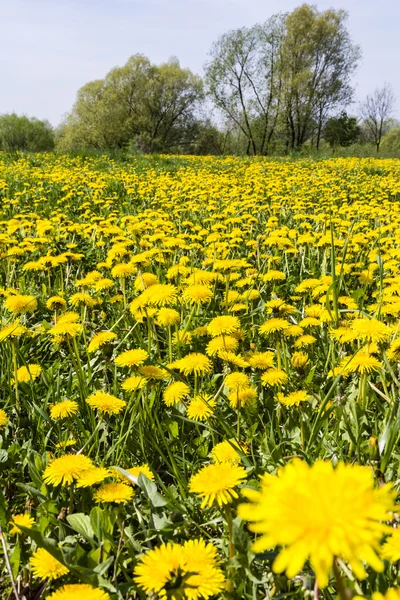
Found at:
(376, 112)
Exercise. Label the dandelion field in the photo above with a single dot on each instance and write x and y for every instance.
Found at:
(199, 392)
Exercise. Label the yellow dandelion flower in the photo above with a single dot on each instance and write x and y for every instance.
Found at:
(106, 403)
(274, 325)
(294, 398)
(153, 372)
(136, 382)
(332, 512)
(23, 519)
(390, 594)
(100, 339)
(119, 493)
(304, 341)
(161, 294)
(45, 566)
(226, 451)
(299, 360)
(239, 398)
(82, 299)
(166, 317)
(12, 331)
(3, 418)
(394, 350)
(123, 270)
(274, 377)
(261, 360)
(145, 280)
(391, 548)
(56, 303)
(370, 330)
(197, 294)
(135, 471)
(200, 408)
(216, 483)
(66, 469)
(193, 363)
(223, 325)
(131, 358)
(237, 381)
(29, 373)
(64, 409)
(190, 571)
(19, 304)
(92, 476)
(221, 343)
(176, 392)
(74, 591)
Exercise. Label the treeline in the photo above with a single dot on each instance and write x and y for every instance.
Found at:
(277, 87)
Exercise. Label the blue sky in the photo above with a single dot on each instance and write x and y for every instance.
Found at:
(50, 48)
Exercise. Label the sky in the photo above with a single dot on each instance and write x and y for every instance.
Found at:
(50, 48)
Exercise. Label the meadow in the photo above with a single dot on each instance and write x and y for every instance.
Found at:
(199, 378)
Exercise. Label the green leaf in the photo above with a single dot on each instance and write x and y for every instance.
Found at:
(81, 524)
(150, 490)
(15, 558)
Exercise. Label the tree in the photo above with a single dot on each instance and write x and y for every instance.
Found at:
(377, 111)
(25, 134)
(244, 80)
(319, 59)
(342, 130)
(151, 107)
(391, 141)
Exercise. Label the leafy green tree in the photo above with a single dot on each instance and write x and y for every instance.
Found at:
(342, 130)
(391, 141)
(319, 59)
(244, 79)
(25, 134)
(153, 108)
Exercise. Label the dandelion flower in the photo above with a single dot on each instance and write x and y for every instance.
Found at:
(175, 393)
(237, 381)
(222, 343)
(261, 360)
(239, 398)
(92, 476)
(370, 330)
(100, 339)
(3, 418)
(74, 591)
(135, 471)
(193, 363)
(305, 340)
(136, 382)
(161, 294)
(64, 409)
(223, 325)
(181, 571)
(274, 377)
(120, 493)
(274, 325)
(153, 372)
(56, 303)
(226, 451)
(20, 304)
(294, 398)
(391, 548)
(106, 403)
(201, 407)
(11, 331)
(216, 483)
(332, 512)
(23, 519)
(299, 360)
(45, 566)
(66, 469)
(29, 373)
(131, 358)
(166, 317)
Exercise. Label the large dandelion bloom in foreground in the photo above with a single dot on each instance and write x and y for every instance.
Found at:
(223, 325)
(177, 572)
(216, 483)
(20, 304)
(45, 566)
(120, 493)
(319, 513)
(131, 358)
(196, 362)
(66, 469)
(79, 590)
(106, 403)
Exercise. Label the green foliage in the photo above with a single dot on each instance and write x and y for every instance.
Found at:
(21, 133)
(341, 131)
(145, 107)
